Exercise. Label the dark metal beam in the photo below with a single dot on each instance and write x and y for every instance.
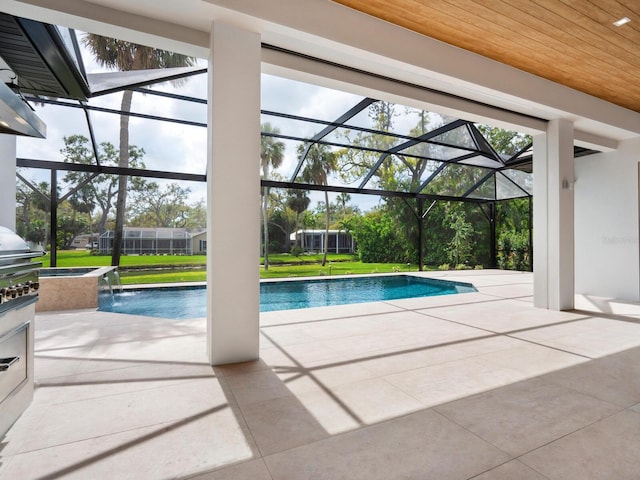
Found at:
(420, 233)
(131, 86)
(365, 149)
(491, 218)
(478, 183)
(53, 217)
(94, 143)
(531, 234)
(131, 172)
(366, 191)
(175, 96)
(526, 194)
(492, 235)
(406, 202)
(356, 128)
(518, 153)
(410, 143)
(339, 122)
(117, 112)
(77, 187)
(34, 188)
(483, 144)
(433, 175)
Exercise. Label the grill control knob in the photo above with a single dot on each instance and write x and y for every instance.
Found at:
(11, 293)
(35, 286)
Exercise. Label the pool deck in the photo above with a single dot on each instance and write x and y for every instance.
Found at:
(477, 385)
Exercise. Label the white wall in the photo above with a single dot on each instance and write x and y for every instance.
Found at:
(607, 259)
(8, 181)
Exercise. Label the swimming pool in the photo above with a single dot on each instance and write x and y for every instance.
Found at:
(190, 302)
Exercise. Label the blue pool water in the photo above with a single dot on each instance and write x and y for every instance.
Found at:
(190, 302)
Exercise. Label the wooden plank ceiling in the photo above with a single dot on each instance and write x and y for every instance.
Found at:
(571, 42)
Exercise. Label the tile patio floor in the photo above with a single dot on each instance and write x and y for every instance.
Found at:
(478, 385)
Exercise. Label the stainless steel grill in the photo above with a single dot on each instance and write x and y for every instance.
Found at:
(19, 286)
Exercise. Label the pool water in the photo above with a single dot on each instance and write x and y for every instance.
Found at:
(190, 302)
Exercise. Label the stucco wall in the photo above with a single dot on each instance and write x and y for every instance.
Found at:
(70, 292)
(606, 223)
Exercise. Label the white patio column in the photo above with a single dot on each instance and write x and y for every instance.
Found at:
(553, 217)
(8, 181)
(233, 195)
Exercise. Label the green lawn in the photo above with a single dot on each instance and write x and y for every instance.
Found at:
(83, 258)
(285, 258)
(183, 268)
(339, 268)
(135, 277)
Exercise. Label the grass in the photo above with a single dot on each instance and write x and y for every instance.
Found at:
(83, 258)
(307, 258)
(340, 268)
(173, 276)
(140, 269)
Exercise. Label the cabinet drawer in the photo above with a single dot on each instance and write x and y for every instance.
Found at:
(13, 361)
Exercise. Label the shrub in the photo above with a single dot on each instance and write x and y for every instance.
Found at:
(462, 266)
(513, 251)
(296, 251)
(444, 266)
(378, 239)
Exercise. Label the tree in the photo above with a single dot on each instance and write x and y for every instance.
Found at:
(319, 164)
(271, 155)
(197, 216)
(70, 224)
(298, 201)
(126, 56)
(161, 206)
(505, 142)
(460, 245)
(343, 199)
(513, 236)
(101, 191)
(32, 212)
(353, 164)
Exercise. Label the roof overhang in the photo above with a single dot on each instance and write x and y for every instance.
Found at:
(16, 117)
(37, 55)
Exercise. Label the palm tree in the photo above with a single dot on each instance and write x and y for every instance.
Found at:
(271, 155)
(320, 162)
(343, 198)
(125, 56)
(298, 201)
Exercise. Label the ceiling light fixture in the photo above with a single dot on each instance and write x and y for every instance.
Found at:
(622, 21)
